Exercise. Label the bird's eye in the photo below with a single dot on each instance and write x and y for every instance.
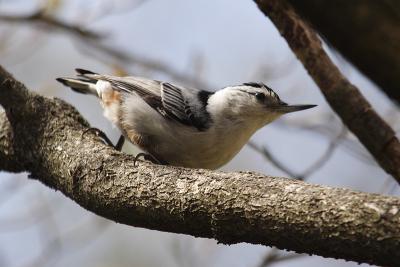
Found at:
(260, 96)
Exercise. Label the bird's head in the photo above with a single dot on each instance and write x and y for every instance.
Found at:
(252, 101)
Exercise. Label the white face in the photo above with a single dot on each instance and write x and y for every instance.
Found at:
(253, 99)
(249, 103)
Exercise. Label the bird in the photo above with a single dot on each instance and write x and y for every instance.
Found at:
(182, 126)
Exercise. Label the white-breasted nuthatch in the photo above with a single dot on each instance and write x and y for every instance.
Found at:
(182, 126)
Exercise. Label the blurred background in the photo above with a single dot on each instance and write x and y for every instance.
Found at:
(206, 44)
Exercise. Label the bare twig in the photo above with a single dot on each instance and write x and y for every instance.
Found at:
(327, 130)
(41, 18)
(275, 256)
(271, 158)
(321, 161)
(95, 46)
(129, 58)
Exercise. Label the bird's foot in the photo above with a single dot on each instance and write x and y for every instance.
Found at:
(105, 139)
(147, 157)
(120, 143)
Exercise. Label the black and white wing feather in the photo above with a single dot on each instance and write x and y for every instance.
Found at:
(175, 104)
(189, 109)
(186, 106)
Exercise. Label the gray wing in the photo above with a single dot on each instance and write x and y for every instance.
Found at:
(175, 104)
(186, 106)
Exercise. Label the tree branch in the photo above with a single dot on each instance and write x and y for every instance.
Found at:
(45, 138)
(345, 99)
(50, 22)
(367, 32)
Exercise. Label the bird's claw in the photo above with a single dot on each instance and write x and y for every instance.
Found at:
(147, 157)
(99, 133)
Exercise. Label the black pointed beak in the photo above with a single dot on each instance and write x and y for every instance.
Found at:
(291, 108)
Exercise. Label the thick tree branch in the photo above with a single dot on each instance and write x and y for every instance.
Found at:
(45, 137)
(345, 99)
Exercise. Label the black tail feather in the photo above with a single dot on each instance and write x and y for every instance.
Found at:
(84, 72)
(80, 85)
(63, 81)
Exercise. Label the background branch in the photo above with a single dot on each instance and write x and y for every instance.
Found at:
(345, 99)
(323, 159)
(95, 45)
(275, 256)
(47, 141)
(349, 25)
(41, 17)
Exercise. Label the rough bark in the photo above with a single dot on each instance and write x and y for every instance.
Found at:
(344, 98)
(45, 138)
(367, 32)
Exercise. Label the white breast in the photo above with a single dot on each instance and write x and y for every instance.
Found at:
(209, 149)
(176, 143)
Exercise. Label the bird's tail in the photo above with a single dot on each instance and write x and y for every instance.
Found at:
(85, 83)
